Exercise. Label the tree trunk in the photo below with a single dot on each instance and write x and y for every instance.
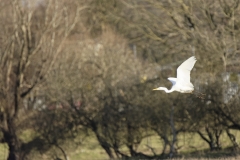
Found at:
(12, 141)
(212, 139)
(132, 152)
(103, 143)
(63, 152)
(105, 146)
(174, 134)
(166, 143)
(233, 139)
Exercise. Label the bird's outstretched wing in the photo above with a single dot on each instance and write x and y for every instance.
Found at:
(183, 71)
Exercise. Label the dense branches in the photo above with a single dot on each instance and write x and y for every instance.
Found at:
(68, 68)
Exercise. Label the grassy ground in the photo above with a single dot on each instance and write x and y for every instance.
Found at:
(89, 149)
(191, 146)
(3, 151)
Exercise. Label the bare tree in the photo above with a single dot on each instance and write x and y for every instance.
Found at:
(111, 85)
(31, 39)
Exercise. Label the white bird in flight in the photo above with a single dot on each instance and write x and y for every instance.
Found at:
(182, 82)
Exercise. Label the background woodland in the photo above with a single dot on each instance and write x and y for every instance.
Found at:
(74, 69)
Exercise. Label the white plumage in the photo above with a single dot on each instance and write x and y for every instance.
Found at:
(182, 82)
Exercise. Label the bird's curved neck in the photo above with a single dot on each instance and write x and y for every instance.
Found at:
(168, 90)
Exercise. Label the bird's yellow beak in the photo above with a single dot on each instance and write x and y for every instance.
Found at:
(155, 89)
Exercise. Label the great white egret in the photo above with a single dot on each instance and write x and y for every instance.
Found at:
(182, 82)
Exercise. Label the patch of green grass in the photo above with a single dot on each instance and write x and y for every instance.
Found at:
(191, 146)
(89, 149)
(3, 151)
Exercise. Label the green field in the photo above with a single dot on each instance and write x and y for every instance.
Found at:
(191, 146)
